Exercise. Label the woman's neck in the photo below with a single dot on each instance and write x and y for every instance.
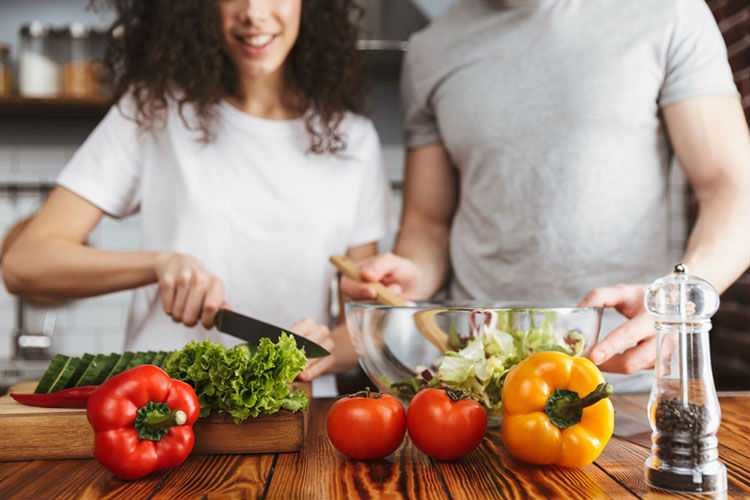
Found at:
(265, 97)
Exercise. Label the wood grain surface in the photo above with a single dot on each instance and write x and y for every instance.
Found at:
(318, 471)
(59, 433)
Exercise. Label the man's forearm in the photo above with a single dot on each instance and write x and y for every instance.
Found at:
(718, 248)
(427, 248)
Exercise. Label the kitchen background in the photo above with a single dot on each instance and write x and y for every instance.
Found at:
(38, 136)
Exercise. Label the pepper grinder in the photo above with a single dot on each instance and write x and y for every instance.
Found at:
(683, 408)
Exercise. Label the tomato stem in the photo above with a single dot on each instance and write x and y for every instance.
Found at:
(363, 394)
(456, 394)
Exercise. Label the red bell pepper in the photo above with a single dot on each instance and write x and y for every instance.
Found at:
(73, 397)
(142, 421)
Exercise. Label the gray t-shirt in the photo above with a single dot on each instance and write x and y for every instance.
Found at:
(549, 110)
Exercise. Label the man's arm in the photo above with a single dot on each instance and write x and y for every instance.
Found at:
(710, 138)
(419, 263)
(430, 197)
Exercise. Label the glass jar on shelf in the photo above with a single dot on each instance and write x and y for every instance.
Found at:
(79, 69)
(38, 61)
(6, 74)
(99, 42)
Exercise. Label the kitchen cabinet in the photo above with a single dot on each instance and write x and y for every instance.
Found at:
(320, 472)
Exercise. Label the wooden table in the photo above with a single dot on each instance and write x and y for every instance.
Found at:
(320, 472)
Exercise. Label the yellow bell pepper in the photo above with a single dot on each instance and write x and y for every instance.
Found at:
(556, 410)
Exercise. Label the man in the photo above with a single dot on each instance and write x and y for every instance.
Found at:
(539, 137)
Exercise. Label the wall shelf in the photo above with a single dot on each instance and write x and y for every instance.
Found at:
(382, 58)
(27, 108)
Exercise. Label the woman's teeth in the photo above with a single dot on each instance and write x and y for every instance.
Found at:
(257, 40)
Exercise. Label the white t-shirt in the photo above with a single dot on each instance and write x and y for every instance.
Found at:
(257, 209)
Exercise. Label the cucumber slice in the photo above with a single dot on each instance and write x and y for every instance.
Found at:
(149, 357)
(137, 360)
(85, 360)
(55, 368)
(159, 358)
(66, 375)
(109, 362)
(121, 364)
(93, 371)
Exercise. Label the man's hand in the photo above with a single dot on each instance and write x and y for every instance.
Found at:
(399, 274)
(636, 338)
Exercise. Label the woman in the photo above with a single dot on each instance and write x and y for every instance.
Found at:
(236, 137)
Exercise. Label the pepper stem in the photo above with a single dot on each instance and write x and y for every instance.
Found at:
(565, 408)
(175, 417)
(154, 420)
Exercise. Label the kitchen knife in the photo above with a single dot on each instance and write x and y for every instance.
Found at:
(251, 330)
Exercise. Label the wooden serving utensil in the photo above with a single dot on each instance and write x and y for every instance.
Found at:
(424, 320)
(428, 327)
(350, 269)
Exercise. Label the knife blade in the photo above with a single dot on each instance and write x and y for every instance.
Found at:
(251, 330)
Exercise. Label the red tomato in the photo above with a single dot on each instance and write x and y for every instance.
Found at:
(443, 428)
(366, 425)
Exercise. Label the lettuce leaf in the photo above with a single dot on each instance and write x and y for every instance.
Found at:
(479, 366)
(242, 381)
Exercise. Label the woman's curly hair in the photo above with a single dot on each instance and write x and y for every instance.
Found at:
(158, 46)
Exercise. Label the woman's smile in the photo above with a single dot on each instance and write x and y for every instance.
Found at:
(257, 44)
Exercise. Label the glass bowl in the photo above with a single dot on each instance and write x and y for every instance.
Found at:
(454, 343)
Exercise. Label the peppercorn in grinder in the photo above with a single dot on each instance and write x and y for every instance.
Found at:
(683, 408)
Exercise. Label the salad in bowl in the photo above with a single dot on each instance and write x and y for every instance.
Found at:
(471, 348)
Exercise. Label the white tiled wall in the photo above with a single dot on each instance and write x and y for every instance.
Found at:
(32, 152)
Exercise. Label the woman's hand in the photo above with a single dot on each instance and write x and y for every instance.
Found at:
(399, 274)
(189, 292)
(321, 335)
(636, 337)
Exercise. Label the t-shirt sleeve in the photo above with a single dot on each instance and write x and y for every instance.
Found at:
(106, 169)
(375, 214)
(420, 124)
(696, 56)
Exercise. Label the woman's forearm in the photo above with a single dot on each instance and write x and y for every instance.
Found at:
(61, 268)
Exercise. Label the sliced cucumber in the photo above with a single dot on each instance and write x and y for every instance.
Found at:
(65, 375)
(85, 361)
(66, 371)
(149, 357)
(92, 372)
(159, 358)
(109, 362)
(56, 367)
(121, 364)
(137, 360)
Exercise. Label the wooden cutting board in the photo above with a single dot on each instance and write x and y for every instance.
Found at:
(32, 433)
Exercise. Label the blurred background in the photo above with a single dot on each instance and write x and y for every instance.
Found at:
(50, 101)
